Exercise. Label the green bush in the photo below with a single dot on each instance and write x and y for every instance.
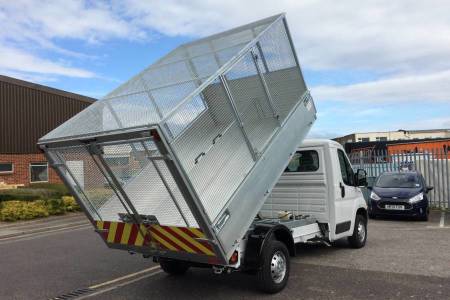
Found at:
(25, 210)
(55, 206)
(35, 192)
(20, 194)
(70, 204)
(56, 188)
(22, 210)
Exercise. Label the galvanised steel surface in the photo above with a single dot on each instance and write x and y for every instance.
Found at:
(198, 139)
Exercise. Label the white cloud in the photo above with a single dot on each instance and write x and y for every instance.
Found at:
(16, 60)
(91, 21)
(385, 36)
(31, 29)
(406, 43)
(426, 87)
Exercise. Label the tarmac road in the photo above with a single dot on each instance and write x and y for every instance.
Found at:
(402, 260)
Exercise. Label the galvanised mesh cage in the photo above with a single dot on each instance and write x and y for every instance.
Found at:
(219, 104)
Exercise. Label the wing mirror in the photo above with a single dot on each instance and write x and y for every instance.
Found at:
(429, 188)
(361, 177)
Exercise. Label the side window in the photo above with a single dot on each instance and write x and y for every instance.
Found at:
(304, 161)
(346, 168)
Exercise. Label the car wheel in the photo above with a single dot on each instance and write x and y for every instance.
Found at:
(359, 236)
(372, 216)
(424, 217)
(274, 272)
(173, 267)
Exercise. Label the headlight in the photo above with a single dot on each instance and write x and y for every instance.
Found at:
(416, 198)
(374, 196)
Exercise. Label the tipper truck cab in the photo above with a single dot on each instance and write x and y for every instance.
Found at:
(176, 162)
(316, 200)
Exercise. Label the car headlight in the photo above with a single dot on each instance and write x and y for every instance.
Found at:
(374, 196)
(416, 198)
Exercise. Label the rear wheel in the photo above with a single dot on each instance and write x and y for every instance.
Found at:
(274, 272)
(173, 266)
(359, 236)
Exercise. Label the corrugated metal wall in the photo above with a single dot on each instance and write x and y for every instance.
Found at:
(28, 111)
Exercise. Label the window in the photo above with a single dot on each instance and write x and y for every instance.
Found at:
(6, 168)
(381, 138)
(39, 172)
(398, 180)
(364, 140)
(346, 168)
(304, 161)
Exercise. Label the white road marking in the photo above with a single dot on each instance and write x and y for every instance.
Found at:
(21, 232)
(123, 277)
(121, 284)
(441, 223)
(27, 237)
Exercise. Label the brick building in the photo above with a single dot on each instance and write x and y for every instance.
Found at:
(27, 112)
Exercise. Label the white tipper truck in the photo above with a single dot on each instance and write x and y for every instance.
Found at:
(195, 161)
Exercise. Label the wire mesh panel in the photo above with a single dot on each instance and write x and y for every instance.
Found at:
(252, 103)
(147, 183)
(213, 151)
(83, 173)
(281, 73)
(158, 89)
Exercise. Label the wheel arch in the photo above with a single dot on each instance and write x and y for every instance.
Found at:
(362, 211)
(258, 238)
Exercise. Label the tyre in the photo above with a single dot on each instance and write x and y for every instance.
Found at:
(424, 217)
(173, 267)
(274, 272)
(359, 236)
(372, 216)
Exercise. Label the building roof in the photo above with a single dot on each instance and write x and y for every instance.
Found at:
(44, 88)
(29, 110)
(400, 130)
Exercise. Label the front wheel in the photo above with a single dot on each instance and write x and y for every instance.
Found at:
(173, 267)
(274, 272)
(424, 216)
(359, 236)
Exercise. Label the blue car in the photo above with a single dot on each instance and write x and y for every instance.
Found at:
(399, 194)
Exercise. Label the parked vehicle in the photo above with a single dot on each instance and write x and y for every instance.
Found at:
(399, 194)
(177, 162)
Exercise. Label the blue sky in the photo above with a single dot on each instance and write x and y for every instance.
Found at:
(369, 66)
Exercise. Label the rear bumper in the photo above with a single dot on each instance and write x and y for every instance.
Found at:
(411, 210)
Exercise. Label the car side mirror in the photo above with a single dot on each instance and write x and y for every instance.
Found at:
(429, 188)
(361, 177)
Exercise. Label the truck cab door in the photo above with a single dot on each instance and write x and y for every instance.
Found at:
(346, 194)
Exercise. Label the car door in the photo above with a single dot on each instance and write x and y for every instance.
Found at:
(346, 195)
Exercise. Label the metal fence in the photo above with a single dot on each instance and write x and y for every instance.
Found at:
(433, 164)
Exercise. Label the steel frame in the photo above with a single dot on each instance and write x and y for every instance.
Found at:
(162, 138)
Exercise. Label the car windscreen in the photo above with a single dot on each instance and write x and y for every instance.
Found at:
(398, 180)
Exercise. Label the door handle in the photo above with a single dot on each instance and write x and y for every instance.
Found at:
(342, 189)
